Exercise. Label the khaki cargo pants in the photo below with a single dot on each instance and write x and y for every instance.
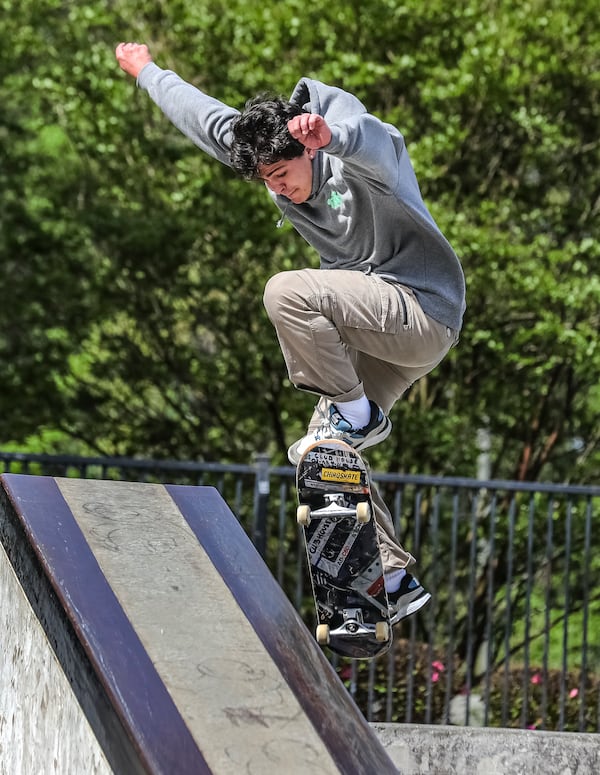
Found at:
(344, 333)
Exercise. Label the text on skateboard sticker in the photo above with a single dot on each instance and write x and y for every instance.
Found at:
(338, 475)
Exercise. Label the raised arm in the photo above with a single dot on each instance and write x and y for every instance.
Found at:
(202, 118)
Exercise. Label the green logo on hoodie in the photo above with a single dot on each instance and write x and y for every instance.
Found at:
(335, 200)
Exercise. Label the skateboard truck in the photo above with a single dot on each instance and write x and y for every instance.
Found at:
(353, 620)
(353, 626)
(335, 509)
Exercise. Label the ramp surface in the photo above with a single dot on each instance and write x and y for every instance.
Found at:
(171, 646)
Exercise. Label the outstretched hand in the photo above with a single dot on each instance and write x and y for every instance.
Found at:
(310, 129)
(132, 57)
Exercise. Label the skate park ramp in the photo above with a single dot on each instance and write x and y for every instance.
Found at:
(141, 632)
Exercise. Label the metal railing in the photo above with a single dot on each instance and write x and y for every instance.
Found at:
(512, 635)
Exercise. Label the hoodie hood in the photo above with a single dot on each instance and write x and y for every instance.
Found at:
(328, 101)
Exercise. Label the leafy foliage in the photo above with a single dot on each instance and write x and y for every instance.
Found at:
(133, 266)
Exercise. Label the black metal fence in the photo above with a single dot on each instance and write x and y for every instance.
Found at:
(512, 635)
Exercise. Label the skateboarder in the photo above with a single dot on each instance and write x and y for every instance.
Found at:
(386, 304)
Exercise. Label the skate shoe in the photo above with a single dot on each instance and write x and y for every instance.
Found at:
(407, 599)
(335, 426)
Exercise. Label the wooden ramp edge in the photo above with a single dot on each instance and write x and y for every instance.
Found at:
(158, 641)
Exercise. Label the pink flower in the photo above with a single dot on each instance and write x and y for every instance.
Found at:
(573, 693)
(536, 678)
(438, 669)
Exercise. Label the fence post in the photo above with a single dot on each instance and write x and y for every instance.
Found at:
(262, 489)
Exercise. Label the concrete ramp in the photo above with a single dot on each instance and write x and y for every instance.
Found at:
(140, 632)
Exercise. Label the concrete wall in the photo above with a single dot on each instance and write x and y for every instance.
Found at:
(450, 750)
(36, 700)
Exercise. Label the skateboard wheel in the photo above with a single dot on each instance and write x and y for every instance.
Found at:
(323, 634)
(303, 515)
(382, 631)
(363, 512)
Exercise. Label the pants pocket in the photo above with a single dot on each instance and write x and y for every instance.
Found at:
(400, 309)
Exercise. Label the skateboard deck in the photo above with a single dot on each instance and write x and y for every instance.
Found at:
(342, 548)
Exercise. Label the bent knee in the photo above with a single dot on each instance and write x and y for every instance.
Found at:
(283, 290)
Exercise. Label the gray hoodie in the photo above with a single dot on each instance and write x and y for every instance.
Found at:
(365, 211)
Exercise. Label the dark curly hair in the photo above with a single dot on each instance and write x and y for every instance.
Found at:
(260, 135)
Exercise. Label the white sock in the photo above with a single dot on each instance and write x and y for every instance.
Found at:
(358, 412)
(393, 579)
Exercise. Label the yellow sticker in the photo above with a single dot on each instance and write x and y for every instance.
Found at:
(337, 475)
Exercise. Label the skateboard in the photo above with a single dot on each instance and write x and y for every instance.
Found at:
(342, 548)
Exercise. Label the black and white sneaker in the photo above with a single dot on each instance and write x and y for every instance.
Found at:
(409, 598)
(335, 426)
